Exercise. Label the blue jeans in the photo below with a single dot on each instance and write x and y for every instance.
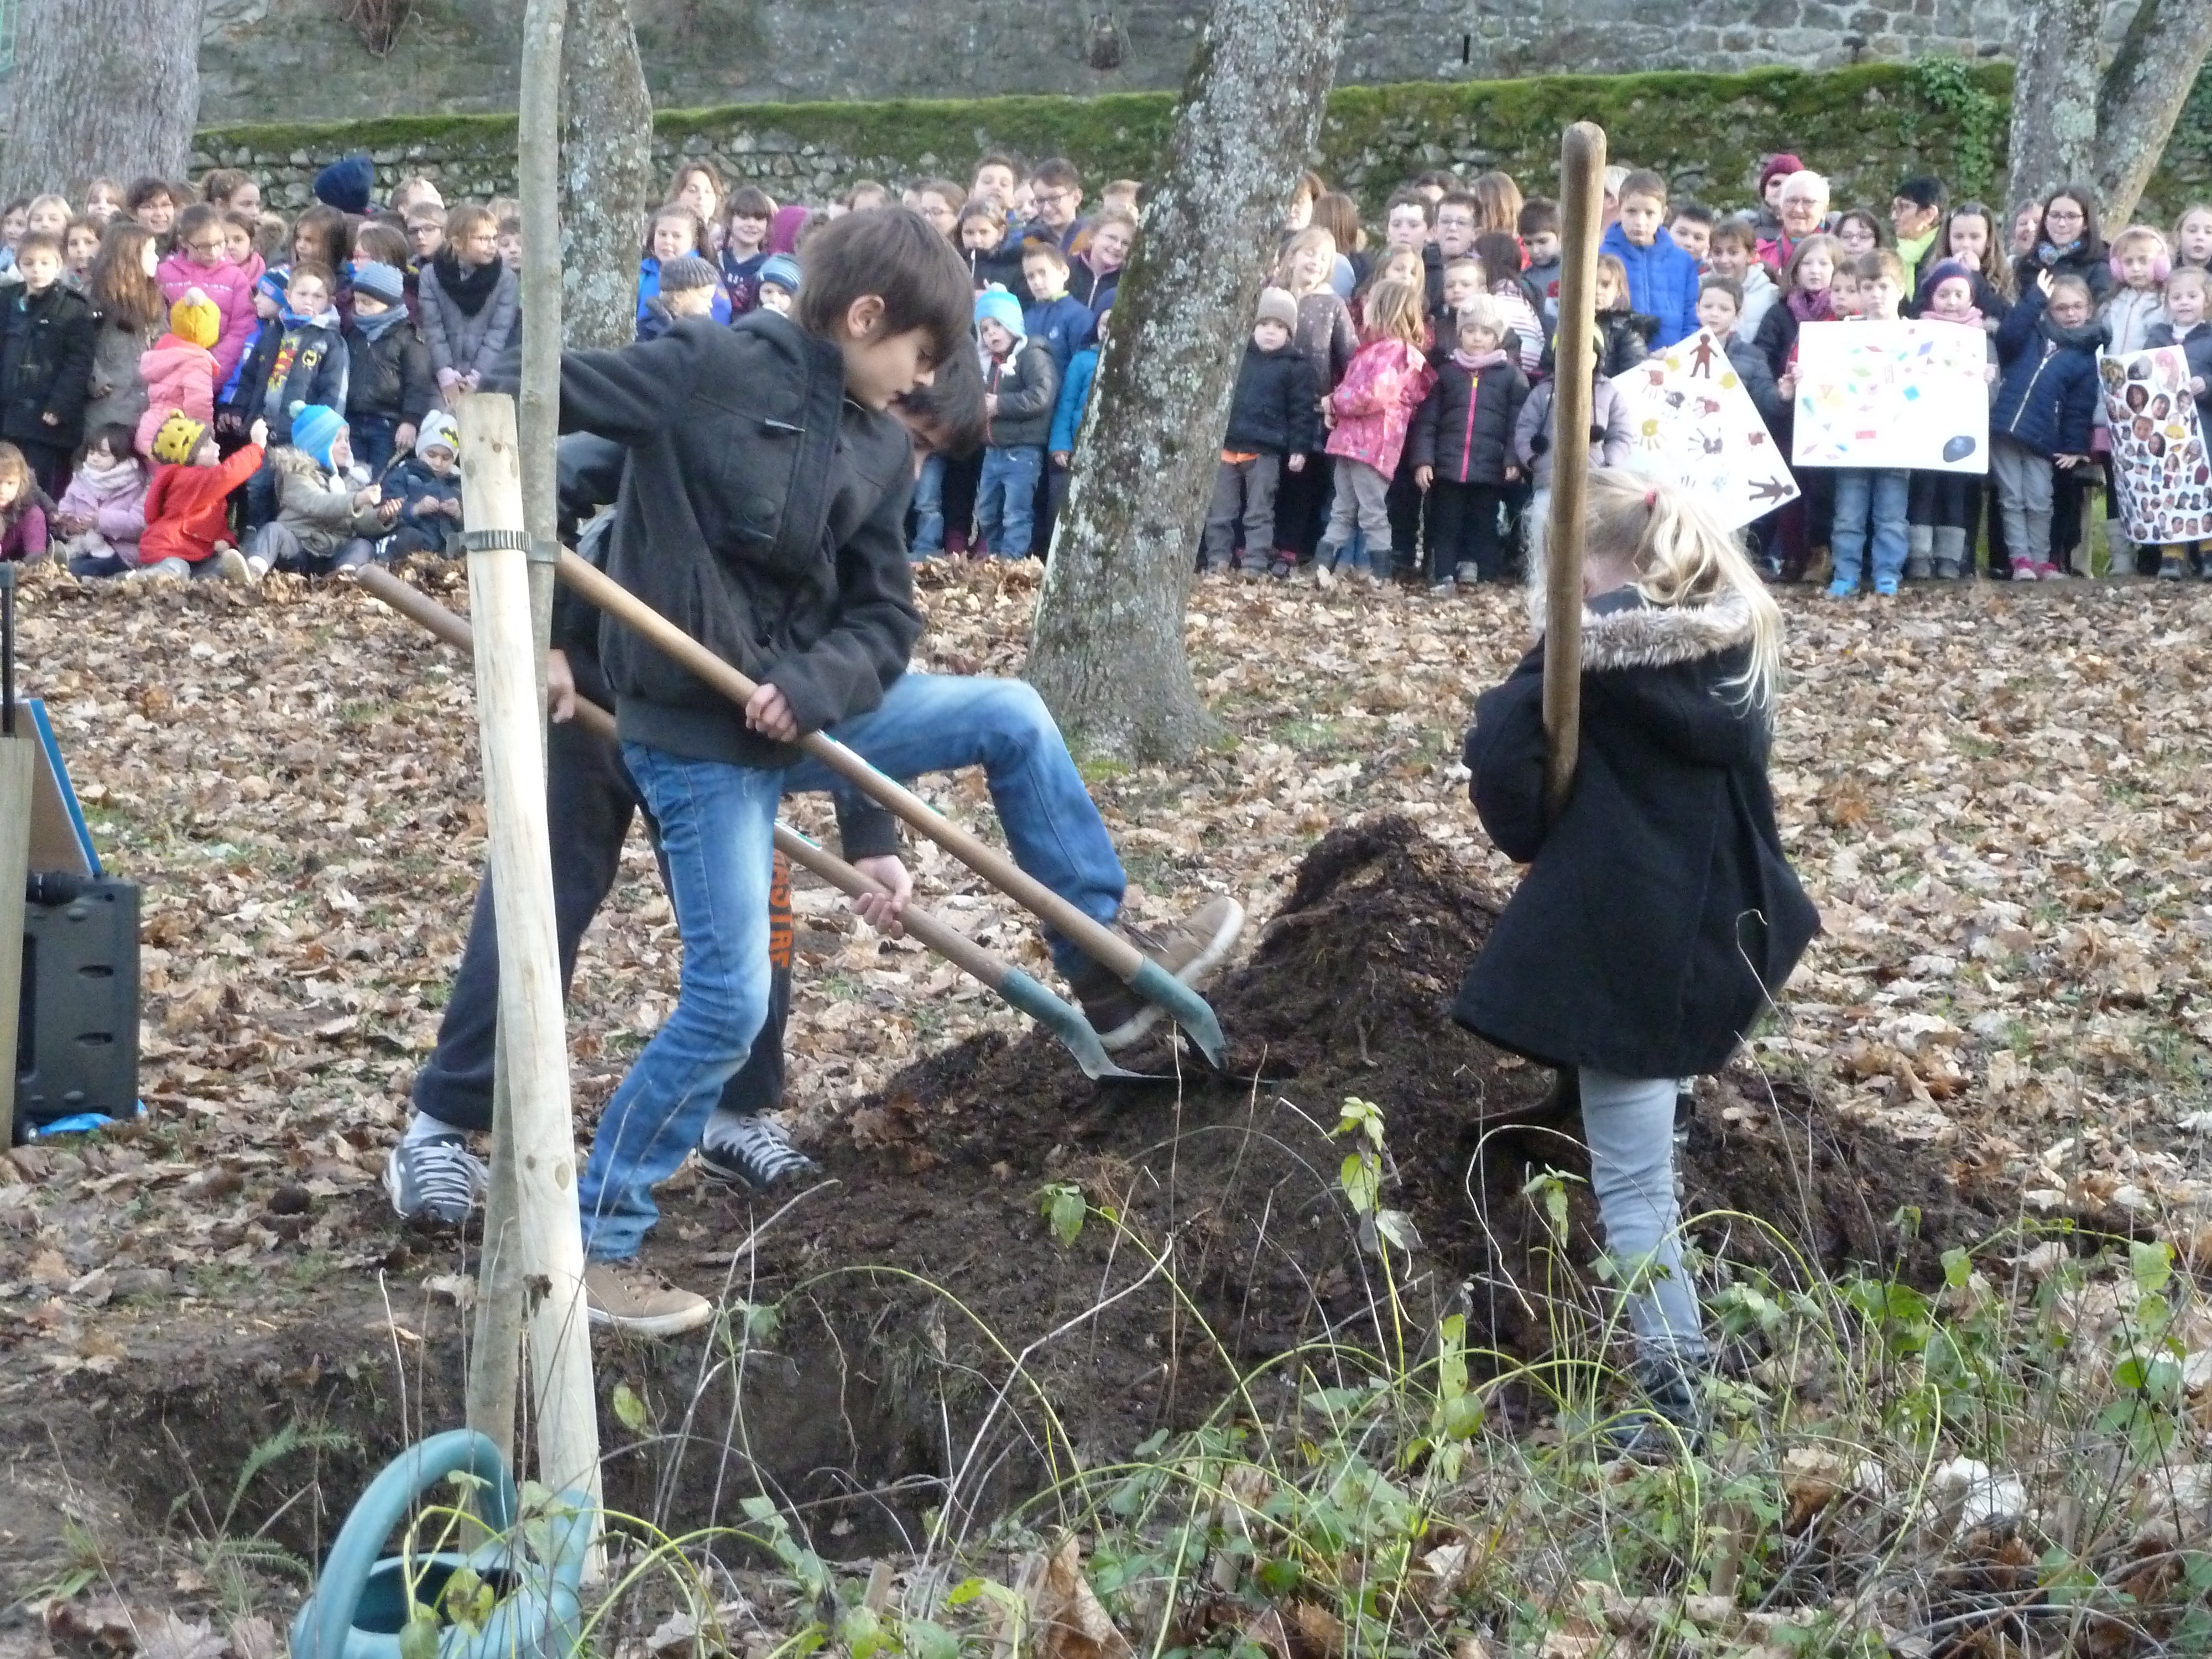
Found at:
(717, 837)
(1866, 499)
(942, 722)
(372, 438)
(1006, 499)
(928, 509)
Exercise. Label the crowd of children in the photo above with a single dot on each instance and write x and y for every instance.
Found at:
(1392, 413)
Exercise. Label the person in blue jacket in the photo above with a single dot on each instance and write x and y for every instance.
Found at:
(1662, 278)
(2044, 413)
(1068, 416)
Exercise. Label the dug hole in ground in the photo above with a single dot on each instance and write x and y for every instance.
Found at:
(868, 1375)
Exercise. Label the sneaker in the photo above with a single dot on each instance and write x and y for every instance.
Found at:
(1948, 570)
(2023, 570)
(1670, 1420)
(1282, 568)
(2205, 567)
(2170, 568)
(232, 563)
(1916, 569)
(1439, 590)
(1324, 577)
(435, 1178)
(624, 1297)
(1886, 586)
(752, 1150)
(1468, 575)
(1190, 950)
(2047, 572)
(1840, 589)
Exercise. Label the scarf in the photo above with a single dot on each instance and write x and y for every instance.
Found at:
(327, 318)
(375, 328)
(2081, 336)
(104, 486)
(1970, 318)
(1810, 307)
(468, 287)
(2048, 254)
(1475, 362)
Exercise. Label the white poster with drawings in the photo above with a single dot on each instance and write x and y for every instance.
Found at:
(1892, 397)
(1691, 422)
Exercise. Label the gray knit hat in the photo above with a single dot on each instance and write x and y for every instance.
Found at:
(687, 271)
(1276, 306)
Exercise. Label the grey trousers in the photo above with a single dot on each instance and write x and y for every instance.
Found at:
(277, 545)
(1361, 504)
(1245, 490)
(2023, 486)
(1629, 1125)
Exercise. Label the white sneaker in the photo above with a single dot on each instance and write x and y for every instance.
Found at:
(234, 566)
(624, 1297)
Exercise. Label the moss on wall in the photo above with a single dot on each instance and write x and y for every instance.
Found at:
(1867, 126)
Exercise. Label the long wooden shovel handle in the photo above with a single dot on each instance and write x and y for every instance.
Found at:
(1582, 192)
(1009, 982)
(1122, 959)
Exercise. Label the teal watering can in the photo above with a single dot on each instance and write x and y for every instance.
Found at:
(359, 1607)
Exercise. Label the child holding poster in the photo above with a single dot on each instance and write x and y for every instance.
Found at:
(2188, 298)
(1871, 501)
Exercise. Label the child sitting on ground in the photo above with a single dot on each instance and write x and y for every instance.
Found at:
(1462, 447)
(179, 369)
(1273, 425)
(188, 503)
(2043, 415)
(1021, 387)
(327, 520)
(1659, 917)
(1368, 417)
(102, 516)
(689, 287)
(26, 511)
(426, 485)
(2188, 298)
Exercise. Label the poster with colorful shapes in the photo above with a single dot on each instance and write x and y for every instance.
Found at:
(1893, 396)
(2159, 467)
(1691, 422)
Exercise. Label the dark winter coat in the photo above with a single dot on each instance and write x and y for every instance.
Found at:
(1777, 338)
(1464, 427)
(2197, 347)
(1624, 340)
(1750, 365)
(1659, 915)
(410, 481)
(1063, 326)
(45, 365)
(1001, 265)
(2094, 269)
(307, 364)
(1277, 409)
(1027, 387)
(762, 512)
(389, 378)
(2046, 397)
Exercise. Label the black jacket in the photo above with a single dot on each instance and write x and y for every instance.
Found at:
(1624, 340)
(2094, 269)
(45, 365)
(1777, 338)
(1464, 427)
(2197, 347)
(389, 378)
(1027, 387)
(1277, 409)
(762, 513)
(1001, 265)
(1750, 365)
(1658, 915)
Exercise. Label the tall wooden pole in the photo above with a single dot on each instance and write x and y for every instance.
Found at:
(1582, 173)
(19, 760)
(510, 715)
(495, 1361)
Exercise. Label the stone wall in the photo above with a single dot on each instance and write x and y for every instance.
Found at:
(1867, 126)
(294, 60)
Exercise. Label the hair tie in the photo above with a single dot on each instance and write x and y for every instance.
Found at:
(1651, 498)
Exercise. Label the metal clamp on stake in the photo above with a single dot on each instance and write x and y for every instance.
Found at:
(496, 541)
(544, 552)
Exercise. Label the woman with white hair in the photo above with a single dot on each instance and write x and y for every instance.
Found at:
(1803, 209)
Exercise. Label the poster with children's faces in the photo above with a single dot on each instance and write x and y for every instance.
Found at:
(2160, 468)
(1691, 422)
(1893, 396)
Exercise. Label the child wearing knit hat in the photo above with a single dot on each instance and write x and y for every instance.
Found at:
(779, 283)
(1275, 423)
(188, 504)
(179, 368)
(426, 488)
(326, 522)
(689, 286)
(390, 385)
(1021, 388)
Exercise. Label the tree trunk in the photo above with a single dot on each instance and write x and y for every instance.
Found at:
(102, 87)
(606, 172)
(1107, 653)
(2054, 96)
(2149, 81)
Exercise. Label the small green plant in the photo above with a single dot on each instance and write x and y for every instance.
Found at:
(1977, 120)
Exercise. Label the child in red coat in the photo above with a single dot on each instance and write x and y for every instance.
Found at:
(188, 507)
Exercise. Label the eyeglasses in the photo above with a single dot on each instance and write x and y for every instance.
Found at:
(207, 247)
(1052, 197)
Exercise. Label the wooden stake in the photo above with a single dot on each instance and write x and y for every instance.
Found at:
(548, 1234)
(19, 760)
(1581, 196)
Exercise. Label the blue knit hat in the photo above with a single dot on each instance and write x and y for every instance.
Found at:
(345, 184)
(380, 281)
(783, 270)
(314, 429)
(273, 283)
(995, 305)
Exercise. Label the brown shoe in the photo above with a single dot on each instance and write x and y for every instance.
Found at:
(625, 1297)
(1190, 950)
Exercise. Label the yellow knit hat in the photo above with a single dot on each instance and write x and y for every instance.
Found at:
(179, 436)
(197, 321)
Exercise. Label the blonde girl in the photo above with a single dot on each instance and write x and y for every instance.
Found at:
(2193, 236)
(1326, 337)
(1669, 833)
(1368, 417)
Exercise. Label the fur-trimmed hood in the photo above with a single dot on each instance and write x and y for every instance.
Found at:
(1623, 629)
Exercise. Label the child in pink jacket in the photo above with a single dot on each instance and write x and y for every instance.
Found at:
(1369, 415)
(103, 514)
(202, 264)
(179, 370)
